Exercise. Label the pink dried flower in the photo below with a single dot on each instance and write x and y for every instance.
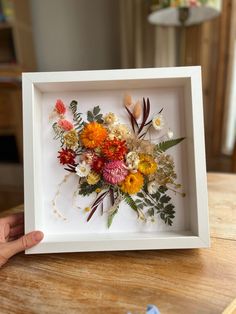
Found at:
(88, 157)
(65, 125)
(114, 172)
(60, 108)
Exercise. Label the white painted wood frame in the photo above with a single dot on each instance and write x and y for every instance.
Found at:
(36, 86)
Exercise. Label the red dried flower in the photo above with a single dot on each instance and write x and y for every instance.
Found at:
(114, 149)
(67, 156)
(60, 108)
(98, 164)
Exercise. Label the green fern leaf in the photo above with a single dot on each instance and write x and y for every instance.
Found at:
(111, 217)
(163, 146)
(128, 199)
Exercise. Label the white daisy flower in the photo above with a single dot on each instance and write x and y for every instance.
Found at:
(170, 134)
(158, 122)
(152, 187)
(82, 169)
(110, 118)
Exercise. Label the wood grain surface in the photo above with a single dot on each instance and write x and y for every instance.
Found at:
(177, 281)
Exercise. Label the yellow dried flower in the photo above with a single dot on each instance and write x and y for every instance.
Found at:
(93, 178)
(147, 164)
(98, 190)
(87, 209)
(71, 139)
(132, 183)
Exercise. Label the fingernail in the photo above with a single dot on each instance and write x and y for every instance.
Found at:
(38, 236)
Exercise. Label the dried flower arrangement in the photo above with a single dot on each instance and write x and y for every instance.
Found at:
(113, 160)
(161, 4)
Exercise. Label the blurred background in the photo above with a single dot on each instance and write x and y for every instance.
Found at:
(53, 35)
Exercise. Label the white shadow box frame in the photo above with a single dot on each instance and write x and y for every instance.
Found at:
(179, 91)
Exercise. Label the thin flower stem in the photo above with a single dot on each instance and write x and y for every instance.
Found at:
(75, 195)
(141, 214)
(175, 191)
(145, 133)
(57, 194)
(97, 203)
(150, 198)
(117, 202)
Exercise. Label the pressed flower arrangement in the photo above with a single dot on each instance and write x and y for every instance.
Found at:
(181, 3)
(114, 160)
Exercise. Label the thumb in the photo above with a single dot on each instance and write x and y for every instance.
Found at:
(25, 242)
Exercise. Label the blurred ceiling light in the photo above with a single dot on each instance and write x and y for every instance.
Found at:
(183, 12)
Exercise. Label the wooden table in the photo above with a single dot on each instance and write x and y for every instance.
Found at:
(177, 281)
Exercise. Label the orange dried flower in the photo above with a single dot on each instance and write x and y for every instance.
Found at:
(93, 135)
(114, 149)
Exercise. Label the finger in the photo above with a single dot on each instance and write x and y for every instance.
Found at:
(15, 237)
(13, 220)
(4, 232)
(3, 260)
(16, 230)
(23, 243)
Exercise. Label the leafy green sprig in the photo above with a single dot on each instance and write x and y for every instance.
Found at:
(132, 204)
(157, 204)
(86, 189)
(95, 115)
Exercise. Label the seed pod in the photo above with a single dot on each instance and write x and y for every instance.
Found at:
(137, 110)
(127, 100)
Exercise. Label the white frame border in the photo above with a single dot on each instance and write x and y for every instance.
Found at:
(33, 83)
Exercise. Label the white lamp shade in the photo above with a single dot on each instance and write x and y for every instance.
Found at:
(169, 16)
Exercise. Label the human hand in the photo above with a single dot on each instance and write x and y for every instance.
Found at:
(12, 240)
